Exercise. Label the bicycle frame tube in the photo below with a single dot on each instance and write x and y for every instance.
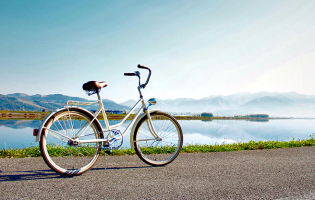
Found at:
(127, 115)
(150, 125)
(143, 107)
(95, 118)
(136, 118)
(103, 111)
(116, 125)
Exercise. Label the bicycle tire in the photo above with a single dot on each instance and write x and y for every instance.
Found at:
(155, 152)
(70, 159)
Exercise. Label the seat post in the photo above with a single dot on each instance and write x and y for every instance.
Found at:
(103, 111)
(98, 96)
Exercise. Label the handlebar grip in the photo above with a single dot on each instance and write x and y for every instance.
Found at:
(142, 66)
(130, 74)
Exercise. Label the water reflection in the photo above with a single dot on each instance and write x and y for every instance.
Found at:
(19, 133)
(230, 131)
(20, 124)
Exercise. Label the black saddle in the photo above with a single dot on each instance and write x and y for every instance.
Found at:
(93, 86)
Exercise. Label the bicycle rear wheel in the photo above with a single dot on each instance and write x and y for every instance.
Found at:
(62, 155)
(158, 152)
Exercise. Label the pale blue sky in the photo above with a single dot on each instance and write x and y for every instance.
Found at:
(194, 48)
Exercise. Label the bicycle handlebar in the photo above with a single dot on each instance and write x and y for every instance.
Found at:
(138, 74)
(144, 67)
(130, 74)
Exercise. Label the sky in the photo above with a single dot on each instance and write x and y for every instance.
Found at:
(195, 49)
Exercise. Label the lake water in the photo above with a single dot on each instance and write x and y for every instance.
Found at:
(19, 133)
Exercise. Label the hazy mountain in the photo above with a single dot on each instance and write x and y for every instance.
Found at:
(275, 104)
(109, 105)
(18, 95)
(19, 101)
(269, 102)
(130, 103)
(13, 103)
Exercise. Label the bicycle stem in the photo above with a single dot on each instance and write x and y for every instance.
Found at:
(139, 89)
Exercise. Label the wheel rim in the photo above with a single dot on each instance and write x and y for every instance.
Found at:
(159, 152)
(63, 156)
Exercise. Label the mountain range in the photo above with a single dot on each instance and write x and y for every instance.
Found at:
(275, 104)
(20, 101)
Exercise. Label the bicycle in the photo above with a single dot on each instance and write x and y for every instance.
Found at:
(71, 138)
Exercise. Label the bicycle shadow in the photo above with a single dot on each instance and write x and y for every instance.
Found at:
(119, 168)
(49, 174)
(29, 175)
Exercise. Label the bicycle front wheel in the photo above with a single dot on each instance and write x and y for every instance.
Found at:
(59, 152)
(158, 152)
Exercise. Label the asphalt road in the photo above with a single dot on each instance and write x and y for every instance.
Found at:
(261, 174)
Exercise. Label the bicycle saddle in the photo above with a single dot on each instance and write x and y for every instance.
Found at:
(94, 85)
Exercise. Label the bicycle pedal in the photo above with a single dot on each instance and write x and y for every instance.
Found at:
(107, 149)
(109, 152)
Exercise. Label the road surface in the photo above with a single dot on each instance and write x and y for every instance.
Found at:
(261, 174)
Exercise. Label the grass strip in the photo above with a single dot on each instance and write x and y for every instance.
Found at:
(251, 145)
(34, 151)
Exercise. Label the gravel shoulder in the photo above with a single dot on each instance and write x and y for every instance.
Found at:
(261, 174)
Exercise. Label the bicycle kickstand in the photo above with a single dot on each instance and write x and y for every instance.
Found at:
(107, 150)
(105, 160)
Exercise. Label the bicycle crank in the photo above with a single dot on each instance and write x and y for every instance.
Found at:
(114, 141)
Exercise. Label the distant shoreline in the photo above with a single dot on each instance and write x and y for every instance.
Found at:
(33, 115)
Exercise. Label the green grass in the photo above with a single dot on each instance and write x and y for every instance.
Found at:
(192, 148)
(251, 145)
(20, 153)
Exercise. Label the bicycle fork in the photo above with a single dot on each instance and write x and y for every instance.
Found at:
(150, 125)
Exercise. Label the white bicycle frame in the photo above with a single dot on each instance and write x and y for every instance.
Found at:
(109, 128)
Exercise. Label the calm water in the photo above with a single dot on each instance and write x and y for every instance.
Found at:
(18, 133)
